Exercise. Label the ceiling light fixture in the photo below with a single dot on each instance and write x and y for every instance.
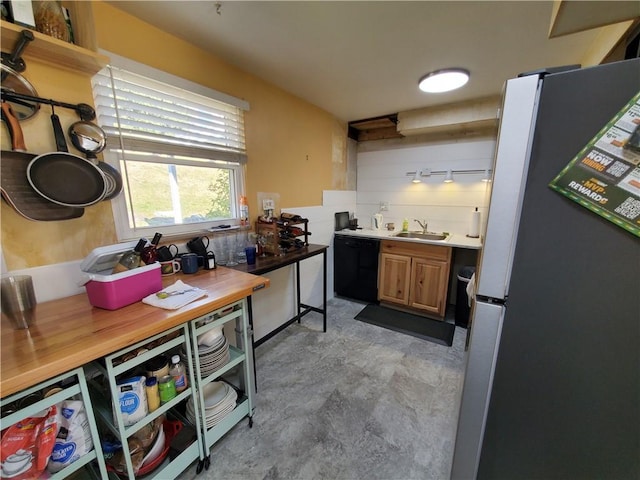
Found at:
(487, 176)
(416, 178)
(444, 80)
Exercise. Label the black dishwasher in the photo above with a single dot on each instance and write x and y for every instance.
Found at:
(355, 267)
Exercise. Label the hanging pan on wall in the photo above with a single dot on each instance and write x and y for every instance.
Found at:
(13, 81)
(90, 139)
(14, 186)
(64, 178)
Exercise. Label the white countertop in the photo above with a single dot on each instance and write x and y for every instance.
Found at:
(454, 240)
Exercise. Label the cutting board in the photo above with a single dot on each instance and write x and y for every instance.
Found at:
(18, 193)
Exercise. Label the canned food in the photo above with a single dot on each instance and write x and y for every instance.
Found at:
(167, 388)
(52, 391)
(29, 399)
(157, 366)
(8, 409)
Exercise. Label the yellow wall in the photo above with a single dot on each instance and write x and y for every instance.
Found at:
(294, 148)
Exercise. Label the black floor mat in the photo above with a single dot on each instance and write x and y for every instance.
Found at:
(433, 330)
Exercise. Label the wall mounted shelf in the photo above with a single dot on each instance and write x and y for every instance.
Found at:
(79, 57)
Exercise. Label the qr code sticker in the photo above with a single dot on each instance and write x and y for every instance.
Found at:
(618, 169)
(630, 208)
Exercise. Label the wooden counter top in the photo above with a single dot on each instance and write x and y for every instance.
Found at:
(69, 332)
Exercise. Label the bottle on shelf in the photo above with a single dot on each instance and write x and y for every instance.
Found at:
(50, 20)
(244, 211)
(167, 389)
(130, 260)
(153, 394)
(179, 373)
(292, 217)
(149, 253)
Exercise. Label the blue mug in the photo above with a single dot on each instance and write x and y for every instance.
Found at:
(190, 262)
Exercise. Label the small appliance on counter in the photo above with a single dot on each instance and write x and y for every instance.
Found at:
(377, 222)
(345, 220)
(113, 291)
(342, 221)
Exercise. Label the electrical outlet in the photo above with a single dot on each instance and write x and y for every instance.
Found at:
(268, 204)
(384, 206)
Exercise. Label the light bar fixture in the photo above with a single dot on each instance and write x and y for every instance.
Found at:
(444, 80)
(448, 174)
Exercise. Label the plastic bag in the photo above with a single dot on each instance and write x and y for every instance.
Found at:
(26, 446)
(74, 436)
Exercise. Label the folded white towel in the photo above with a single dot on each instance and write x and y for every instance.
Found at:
(175, 301)
(471, 289)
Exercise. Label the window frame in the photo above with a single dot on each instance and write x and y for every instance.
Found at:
(113, 156)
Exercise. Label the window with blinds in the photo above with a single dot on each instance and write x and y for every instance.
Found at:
(180, 151)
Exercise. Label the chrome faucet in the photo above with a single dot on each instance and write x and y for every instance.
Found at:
(423, 224)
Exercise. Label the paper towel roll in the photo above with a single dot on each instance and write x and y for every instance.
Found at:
(474, 225)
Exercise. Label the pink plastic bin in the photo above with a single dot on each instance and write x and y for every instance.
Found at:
(113, 291)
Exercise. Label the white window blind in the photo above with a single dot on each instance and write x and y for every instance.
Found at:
(179, 146)
(142, 114)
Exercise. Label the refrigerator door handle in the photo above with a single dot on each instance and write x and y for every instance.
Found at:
(486, 328)
(511, 165)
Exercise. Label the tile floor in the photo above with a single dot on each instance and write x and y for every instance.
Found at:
(357, 402)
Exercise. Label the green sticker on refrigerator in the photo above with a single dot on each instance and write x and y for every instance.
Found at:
(605, 175)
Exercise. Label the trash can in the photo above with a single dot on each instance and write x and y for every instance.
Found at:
(462, 300)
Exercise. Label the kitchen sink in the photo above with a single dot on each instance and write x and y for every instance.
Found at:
(422, 236)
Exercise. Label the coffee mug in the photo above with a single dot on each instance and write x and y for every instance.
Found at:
(189, 262)
(198, 245)
(170, 267)
(167, 252)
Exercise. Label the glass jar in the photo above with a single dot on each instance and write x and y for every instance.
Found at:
(50, 19)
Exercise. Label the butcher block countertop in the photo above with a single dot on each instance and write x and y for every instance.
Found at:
(69, 332)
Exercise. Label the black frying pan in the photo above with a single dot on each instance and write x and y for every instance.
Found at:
(90, 139)
(64, 178)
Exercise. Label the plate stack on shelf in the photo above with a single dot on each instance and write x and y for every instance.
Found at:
(213, 351)
(219, 400)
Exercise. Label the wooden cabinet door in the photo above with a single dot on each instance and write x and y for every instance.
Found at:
(429, 282)
(393, 282)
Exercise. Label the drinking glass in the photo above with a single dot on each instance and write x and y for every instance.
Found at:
(241, 243)
(231, 250)
(18, 300)
(220, 249)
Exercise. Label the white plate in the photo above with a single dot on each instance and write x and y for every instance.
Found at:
(156, 450)
(211, 337)
(214, 393)
(204, 349)
(215, 360)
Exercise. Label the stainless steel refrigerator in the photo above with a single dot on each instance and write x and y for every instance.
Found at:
(552, 383)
